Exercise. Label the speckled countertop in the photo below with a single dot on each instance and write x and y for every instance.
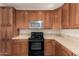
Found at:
(69, 42)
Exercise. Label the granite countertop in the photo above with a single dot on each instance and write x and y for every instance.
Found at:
(69, 42)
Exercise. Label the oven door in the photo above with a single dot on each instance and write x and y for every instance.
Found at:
(36, 45)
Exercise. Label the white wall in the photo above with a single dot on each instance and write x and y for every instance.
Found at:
(71, 32)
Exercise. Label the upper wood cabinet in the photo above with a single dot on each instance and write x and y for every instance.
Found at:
(65, 16)
(20, 19)
(47, 20)
(74, 15)
(23, 18)
(33, 15)
(6, 16)
(26, 20)
(6, 33)
(56, 18)
(41, 15)
(7, 22)
(70, 15)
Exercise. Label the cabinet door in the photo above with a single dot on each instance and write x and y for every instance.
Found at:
(26, 20)
(1, 16)
(6, 22)
(58, 49)
(20, 48)
(65, 16)
(6, 18)
(6, 49)
(57, 19)
(77, 16)
(47, 20)
(49, 48)
(74, 15)
(6, 33)
(66, 52)
(20, 19)
(6, 29)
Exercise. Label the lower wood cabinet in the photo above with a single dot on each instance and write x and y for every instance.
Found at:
(66, 52)
(20, 47)
(5, 48)
(60, 50)
(49, 47)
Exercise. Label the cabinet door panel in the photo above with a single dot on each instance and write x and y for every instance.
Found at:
(47, 21)
(19, 19)
(26, 20)
(60, 50)
(20, 48)
(57, 19)
(6, 49)
(33, 15)
(0, 16)
(6, 14)
(65, 16)
(72, 15)
(6, 33)
(49, 48)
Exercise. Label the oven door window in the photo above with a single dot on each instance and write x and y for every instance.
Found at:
(36, 46)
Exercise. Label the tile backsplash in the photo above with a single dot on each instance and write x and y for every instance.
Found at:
(46, 31)
(71, 32)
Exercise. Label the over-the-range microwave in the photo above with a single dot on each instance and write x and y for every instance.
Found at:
(36, 24)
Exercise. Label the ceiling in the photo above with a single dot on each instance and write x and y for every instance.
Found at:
(34, 6)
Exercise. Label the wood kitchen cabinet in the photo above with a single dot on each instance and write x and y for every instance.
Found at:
(20, 47)
(7, 24)
(6, 48)
(70, 16)
(23, 18)
(66, 52)
(49, 47)
(74, 15)
(20, 19)
(60, 50)
(6, 16)
(56, 18)
(47, 20)
(65, 16)
(41, 15)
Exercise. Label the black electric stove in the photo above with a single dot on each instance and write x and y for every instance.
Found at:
(36, 44)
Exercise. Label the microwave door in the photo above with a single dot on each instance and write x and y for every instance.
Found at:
(36, 24)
